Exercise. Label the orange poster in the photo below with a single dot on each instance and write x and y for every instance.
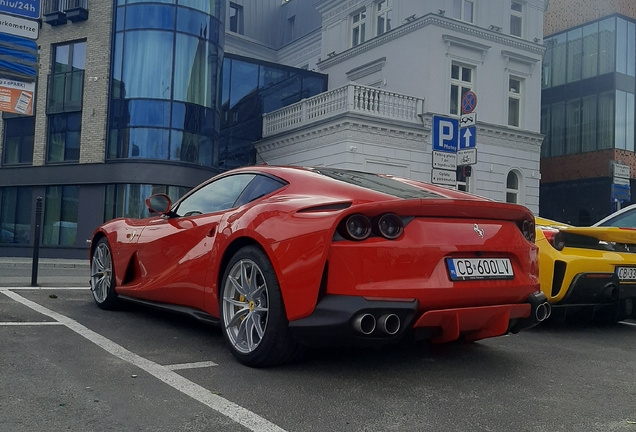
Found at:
(16, 97)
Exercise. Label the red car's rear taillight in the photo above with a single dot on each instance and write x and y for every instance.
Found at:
(527, 229)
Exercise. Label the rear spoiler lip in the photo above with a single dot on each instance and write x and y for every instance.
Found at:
(446, 208)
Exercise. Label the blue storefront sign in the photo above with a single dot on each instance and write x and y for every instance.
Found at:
(23, 8)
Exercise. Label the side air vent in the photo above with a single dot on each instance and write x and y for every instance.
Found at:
(557, 277)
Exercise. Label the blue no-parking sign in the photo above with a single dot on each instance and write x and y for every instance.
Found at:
(445, 134)
(23, 8)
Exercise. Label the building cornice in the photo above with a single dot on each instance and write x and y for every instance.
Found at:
(440, 21)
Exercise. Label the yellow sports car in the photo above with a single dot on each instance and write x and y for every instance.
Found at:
(587, 269)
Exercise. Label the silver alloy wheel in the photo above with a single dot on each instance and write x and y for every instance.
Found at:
(245, 306)
(101, 271)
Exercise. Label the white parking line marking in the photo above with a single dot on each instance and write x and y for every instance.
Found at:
(38, 288)
(190, 365)
(627, 323)
(30, 323)
(237, 413)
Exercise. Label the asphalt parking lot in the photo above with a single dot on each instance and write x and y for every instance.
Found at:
(67, 365)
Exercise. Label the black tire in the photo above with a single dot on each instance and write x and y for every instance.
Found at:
(252, 312)
(103, 276)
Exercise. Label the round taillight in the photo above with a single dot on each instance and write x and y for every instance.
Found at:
(358, 226)
(527, 228)
(390, 226)
(555, 237)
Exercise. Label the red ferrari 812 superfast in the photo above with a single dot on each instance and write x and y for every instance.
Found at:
(287, 257)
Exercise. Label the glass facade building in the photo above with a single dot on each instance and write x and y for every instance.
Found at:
(588, 112)
(165, 72)
(588, 88)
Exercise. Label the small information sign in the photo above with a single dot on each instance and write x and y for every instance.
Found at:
(444, 177)
(467, 156)
(444, 160)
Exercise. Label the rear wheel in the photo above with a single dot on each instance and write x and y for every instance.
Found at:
(102, 276)
(253, 315)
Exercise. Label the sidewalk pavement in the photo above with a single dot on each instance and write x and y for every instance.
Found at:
(43, 263)
(60, 273)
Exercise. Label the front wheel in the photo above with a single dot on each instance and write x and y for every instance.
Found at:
(102, 276)
(253, 317)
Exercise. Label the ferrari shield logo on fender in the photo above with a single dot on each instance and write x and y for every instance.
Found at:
(478, 230)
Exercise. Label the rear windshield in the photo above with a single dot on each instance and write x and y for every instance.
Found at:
(377, 183)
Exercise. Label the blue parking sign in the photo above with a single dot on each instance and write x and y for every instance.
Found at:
(23, 8)
(445, 134)
(468, 137)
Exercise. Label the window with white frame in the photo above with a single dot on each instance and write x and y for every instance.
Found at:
(512, 188)
(461, 82)
(514, 101)
(516, 18)
(464, 10)
(383, 16)
(358, 27)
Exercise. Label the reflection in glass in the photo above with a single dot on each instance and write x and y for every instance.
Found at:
(590, 50)
(607, 40)
(575, 53)
(606, 120)
(148, 64)
(19, 133)
(588, 123)
(15, 215)
(60, 215)
(559, 60)
(129, 200)
(195, 62)
(557, 134)
(150, 16)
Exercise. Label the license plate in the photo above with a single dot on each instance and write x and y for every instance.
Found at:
(626, 273)
(479, 268)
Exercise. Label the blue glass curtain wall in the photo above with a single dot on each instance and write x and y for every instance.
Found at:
(250, 89)
(589, 85)
(164, 94)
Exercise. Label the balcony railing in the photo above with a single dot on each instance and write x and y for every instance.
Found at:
(57, 12)
(65, 92)
(353, 98)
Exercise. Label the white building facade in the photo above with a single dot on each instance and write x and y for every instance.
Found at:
(395, 64)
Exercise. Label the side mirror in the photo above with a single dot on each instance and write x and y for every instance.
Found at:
(159, 203)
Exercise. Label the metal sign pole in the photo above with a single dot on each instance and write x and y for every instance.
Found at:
(36, 242)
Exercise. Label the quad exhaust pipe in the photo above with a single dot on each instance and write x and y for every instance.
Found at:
(543, 311)
(366, 323)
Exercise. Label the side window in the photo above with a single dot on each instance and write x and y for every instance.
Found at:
(627, 219)
(216, 196)
(260, 186)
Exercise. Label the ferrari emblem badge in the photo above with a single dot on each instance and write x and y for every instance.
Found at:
(478, 230)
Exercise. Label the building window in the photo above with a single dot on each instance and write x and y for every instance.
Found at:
(236, 18)
(291, 25)
(66, 81)
(383, 16)
(516, 19)
(60, 215)
(18, 140)
(129, 200)
(464, 10)
(461, 82)
(512, 188)
(15, 215)
(514, 102)
(64, 137)
(358, 28)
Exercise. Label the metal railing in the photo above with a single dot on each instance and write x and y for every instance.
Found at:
(76, 4)
(361, 99)
(53, 6)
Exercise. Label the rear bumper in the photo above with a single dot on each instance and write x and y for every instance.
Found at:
(335, 321)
